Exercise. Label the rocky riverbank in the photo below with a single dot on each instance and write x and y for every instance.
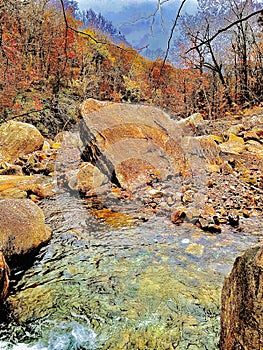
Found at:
(132, 164)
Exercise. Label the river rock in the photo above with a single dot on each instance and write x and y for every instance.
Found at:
(18, 139)
(131, 143)
(178, 215)
(22, 227)
(256, 148)
(202, 154)
(234, 145)
(195, 249)
(4, 277)
(242, 303)
(17, 186)
(191, 123)
(87, 179)
(233, 217)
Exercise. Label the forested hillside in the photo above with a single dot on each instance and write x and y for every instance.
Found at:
(51, 60)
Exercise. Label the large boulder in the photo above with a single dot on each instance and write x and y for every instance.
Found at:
(22, 227)
(120, 137)
(242, 303)
(18, 139)
(134, 145)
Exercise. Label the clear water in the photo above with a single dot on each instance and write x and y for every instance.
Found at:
(150, 286)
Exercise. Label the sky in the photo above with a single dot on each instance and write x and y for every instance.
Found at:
(106, 5)
(126, 14)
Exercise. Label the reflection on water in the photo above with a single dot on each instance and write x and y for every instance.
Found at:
(150, 286)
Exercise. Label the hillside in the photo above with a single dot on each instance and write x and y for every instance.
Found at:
(50, 63)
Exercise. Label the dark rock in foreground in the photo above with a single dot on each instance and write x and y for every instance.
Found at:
(242, 303)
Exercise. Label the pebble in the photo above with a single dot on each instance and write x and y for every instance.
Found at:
(195, 249)
(233, 218)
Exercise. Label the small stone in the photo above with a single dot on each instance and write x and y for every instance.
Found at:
(155, 193)
(246, 213)
(178, 216)
(207, 211)
(55, 145)
(10, 169)
(208, 226)
(233, 218)
(236, 129)
(212, 168)
(185, 241)
(234, 145)
(226, 168)
(216, 138)
(46, 146)
(170, 200)
(188, 196)
(209, 183)
(214, 228)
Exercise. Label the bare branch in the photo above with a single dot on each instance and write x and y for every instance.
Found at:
(243, 19)
(171, 35)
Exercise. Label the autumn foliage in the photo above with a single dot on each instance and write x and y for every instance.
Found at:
(42, 59)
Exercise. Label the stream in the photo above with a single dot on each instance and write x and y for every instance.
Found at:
(149, 285)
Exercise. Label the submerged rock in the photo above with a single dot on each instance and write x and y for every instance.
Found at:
(242, 306)
(18, 139)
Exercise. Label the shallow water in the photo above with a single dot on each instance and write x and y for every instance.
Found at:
(150, 286)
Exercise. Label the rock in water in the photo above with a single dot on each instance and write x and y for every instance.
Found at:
(242, 303)
(18, 139)
(22, 227)
(4, 277)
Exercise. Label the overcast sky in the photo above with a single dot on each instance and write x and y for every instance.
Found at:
(112, 5)
(116, 5)
(124, 15)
